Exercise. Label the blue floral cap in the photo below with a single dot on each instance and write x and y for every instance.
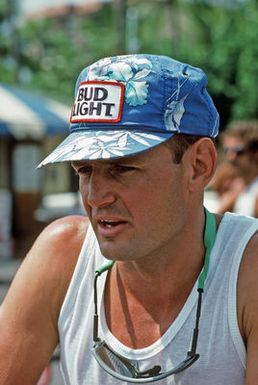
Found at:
(128, 104)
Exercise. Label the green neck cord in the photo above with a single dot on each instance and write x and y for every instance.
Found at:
(209, 239)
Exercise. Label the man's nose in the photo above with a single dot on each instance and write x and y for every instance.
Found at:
(99, 191)
(230, 155)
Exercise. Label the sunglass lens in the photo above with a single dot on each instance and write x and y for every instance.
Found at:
(113, 361)
(237, 150)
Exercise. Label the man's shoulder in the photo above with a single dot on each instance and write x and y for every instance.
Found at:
(50, 263)
(250, 258)
(61, 241)
(248, 305)
(40, 284)
(248, 287)
(71, 228)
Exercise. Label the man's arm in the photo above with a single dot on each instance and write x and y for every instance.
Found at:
(29, 313)
(248, 308)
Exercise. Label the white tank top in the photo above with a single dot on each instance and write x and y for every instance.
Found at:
(222, 352)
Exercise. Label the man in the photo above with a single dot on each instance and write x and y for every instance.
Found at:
(240, 145)
(148, 292)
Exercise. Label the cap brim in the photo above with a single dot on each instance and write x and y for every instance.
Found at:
(93, 145)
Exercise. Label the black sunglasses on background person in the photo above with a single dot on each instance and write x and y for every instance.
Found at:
(125, 370)
(237, 150)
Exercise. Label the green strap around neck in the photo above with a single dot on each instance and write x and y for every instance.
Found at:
(209, 239)
(104, 267)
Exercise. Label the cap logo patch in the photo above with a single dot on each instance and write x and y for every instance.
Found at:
(98, 101)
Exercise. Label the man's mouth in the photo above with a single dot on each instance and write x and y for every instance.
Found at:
(109, 224)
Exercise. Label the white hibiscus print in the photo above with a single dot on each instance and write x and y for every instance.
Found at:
(175, 109)
(174, 113)
(101, 146)
(129, 70)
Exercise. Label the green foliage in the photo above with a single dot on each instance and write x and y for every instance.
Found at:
(222, 41)
(156, 31)
(58, 50)
(53, 51)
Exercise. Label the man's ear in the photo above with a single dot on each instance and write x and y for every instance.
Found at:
(203, 158)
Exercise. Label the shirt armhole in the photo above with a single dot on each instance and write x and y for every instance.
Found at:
(232, 298)
(79, 272)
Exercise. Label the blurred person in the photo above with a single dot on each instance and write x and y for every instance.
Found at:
(228, 185)
(240, 147)
(150, 286)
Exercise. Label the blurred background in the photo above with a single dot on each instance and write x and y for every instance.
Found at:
(43, 46)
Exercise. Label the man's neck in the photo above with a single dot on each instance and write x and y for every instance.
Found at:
(134, 298)
(152, 292)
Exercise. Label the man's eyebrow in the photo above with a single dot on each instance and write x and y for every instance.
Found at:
(121, 160)
(125, 159)
(75, 164)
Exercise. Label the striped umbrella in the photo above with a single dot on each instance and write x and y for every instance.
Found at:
(24, 115)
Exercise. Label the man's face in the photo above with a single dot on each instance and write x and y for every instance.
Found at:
(136, 204)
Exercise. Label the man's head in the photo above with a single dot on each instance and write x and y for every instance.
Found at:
(240, 146)
(128, 104)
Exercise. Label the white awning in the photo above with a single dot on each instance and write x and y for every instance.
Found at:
(25, 115)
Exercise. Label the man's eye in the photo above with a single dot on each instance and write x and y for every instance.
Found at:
(83, 170)
(120, 169)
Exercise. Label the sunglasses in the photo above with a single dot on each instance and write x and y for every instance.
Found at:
(237, 150)
(125, 370)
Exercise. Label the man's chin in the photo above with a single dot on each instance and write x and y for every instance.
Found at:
(109, 249)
